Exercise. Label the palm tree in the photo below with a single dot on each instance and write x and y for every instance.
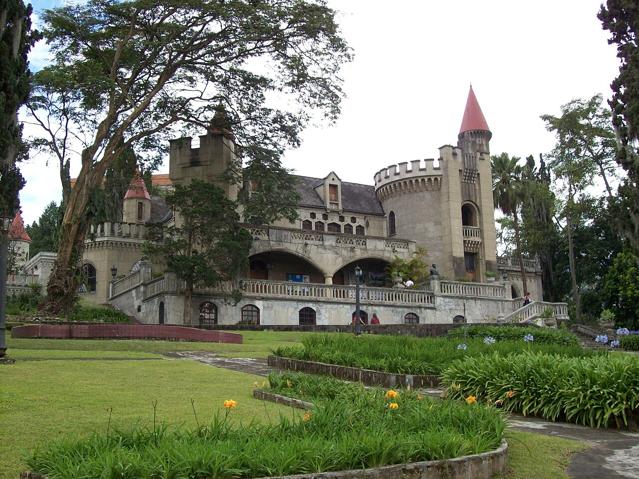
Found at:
(508, 195)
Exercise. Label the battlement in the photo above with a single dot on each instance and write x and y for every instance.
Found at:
(110, 230)
(408, 177)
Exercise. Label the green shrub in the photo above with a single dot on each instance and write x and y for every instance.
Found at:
(95, 314)
(409, 355)
(630, 342)
(311, 387)
(25, 303)
(347, 432)
(501, 333)
(596, 391)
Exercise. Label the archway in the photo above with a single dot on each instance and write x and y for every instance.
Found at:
(89, 278)
(362, 314)
(469, 215)
(374, 272)
(283, 266)
(459, 319)
(208, 314)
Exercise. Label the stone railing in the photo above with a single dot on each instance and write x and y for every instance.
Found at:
(289, 235)
(480, 290)
(337, 293)
(507, 262)
(125, 284)
(117, 230)
(157, 286)
(536, 309)
(471, 232)
(21, 279)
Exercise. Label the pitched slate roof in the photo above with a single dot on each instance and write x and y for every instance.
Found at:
(137, 189)
(356, 197)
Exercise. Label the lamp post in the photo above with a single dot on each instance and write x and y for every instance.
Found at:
(114, 272)
(358, 323)
(5, 223)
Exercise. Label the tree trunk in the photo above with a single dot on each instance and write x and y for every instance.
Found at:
(4, 241)
(520, 257)
(64, 280)
(571, 261)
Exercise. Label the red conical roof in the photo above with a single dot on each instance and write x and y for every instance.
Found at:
(137, 189)
(473, 116)
(17, 231)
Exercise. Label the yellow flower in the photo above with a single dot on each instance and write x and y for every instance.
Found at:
(230, 404)
(420, 397)
(256, 385)
(289, 383)
(510, 393)
(391, 394)
(393, 405)
(471, 400)
(307, 416)
(455, 386)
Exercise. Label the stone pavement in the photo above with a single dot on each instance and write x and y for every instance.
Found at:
(614, 454)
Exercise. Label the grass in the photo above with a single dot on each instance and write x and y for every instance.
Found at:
(257, 344)
(537, 456)
(45, 399)
(46, 395)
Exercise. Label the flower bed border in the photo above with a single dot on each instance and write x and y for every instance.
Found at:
(264, 395)
(367, 377)
(478, 466)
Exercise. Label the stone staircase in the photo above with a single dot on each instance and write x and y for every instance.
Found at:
(540, 313)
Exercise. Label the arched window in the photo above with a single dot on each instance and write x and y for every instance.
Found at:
(319, 226)
(459, 319)
(469, 215)
(411, 318)
(208, 314)
(348, 229)
(391, 224)
(360, 230)
(307, 225)
(307, 317)
(89, 277)
(334, 228)
(250, 314)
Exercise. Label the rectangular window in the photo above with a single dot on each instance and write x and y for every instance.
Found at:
(140, 211)
(332, 194)
(469, 260)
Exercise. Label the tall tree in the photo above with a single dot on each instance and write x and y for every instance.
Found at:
(584, 148)
(508, 193)
(44, 233)
(205, 244)
(621, 19)
(141, 68)
(16, 39)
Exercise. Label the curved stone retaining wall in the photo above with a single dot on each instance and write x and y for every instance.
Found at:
(123, 331)
(263, 395)
(365, 376)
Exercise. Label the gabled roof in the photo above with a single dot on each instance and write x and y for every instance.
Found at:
(473, 116)
(137, 189)
(356, 198)
(17, 231)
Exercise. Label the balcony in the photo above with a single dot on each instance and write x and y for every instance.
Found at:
(472, 238)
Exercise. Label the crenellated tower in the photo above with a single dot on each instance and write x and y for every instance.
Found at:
(447, 206)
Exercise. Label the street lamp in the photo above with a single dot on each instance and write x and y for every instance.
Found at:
(358, 324)
(114, 271)
(5, 224)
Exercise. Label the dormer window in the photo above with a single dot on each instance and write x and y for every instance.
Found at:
(330, 191)
(333, 196)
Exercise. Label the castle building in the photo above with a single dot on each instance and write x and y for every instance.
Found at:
(303, 272)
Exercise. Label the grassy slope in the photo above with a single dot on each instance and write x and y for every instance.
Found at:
(44, 399)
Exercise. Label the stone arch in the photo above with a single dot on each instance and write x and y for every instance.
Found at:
(470, 214)
(250, 314)
(286, 265)
(411, 318)
(374, 271)
(208, 314)
(459, 319)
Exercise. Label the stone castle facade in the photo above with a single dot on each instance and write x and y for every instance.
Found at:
(304, 271)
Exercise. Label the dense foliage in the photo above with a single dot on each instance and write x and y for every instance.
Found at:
(351, 428)
(630, 342)
(501, 333)
(44, 232)
(596, 391)
(403, 354)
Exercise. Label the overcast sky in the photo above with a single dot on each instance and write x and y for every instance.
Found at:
(407, 86)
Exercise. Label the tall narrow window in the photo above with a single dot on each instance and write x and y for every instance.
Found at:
(470, 262)
(332, 194)
(89, 277)
(391, 224)
(140, 211)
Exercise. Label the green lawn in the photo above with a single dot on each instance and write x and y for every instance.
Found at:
(257, 344)
(67, 388)
(41, 400)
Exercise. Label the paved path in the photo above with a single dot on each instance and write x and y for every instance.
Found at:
(614, 454)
